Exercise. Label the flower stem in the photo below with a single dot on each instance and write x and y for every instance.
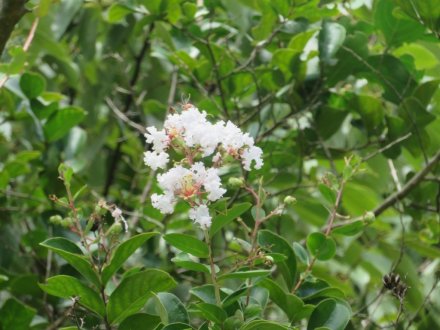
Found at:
(213, 274)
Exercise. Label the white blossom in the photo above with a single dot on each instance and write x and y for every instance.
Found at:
(164, 203)
(159, 139)
(200, 215)
(116, 213)
(252, 154)
(193, 135)
(156, 160)
(212, 184)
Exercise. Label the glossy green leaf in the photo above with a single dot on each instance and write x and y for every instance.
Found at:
(331, 38)
(140, 321)
(212, 312)
(133, 292)
(276, 243)
(330, 314)
(206, 293)
(350, 229)
(183, 260)
(16, 315)
(262, 325)
(301, 253)
(70, 252)
(122, 253)
(244, 274)
(69, 287)
(321, 246)
(60, 122)
(170, 308)
(328, 194)
(188, 244)
(289, 303)
(117, 12)
(395, 30)
(32, 84)
(222, 220)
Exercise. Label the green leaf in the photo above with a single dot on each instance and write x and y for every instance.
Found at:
(321, 246)
(70, 252)
(132, 293)
(188, 244)
(42, 111)
(117, 12)
(424, 92)
(140, 321)
(16, 316)
(183, 260)
(212, 312)
(289, 303)
(32, 84)
(177, 326)
(244, 274)
(370, 109)
(205, 293)
(122, 253)
(396, 31)
(331, 38)
(278, 244)
(301, 253)
(262, 325)
(43, 7)
(170, 308)
(222, 220)
(328, 193)
(64, 286)
(330, 313)
(60, 123)
(350, 229)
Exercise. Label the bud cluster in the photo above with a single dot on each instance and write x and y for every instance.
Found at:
(393, 283)
(198, 142)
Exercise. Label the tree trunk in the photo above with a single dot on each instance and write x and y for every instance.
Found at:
(11, 11)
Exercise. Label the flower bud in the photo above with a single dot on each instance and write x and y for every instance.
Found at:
(56, 219)
(290, 200)
(115, 229)
(67, 222)
(268, 260)
(369, 217)
(236, 182)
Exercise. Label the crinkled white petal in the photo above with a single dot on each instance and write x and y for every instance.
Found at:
(156, 160)
(200, 215)
(252, 154)
(212, 185)
(116, 213)
(159, 139)
(164, 203)
(172, 179)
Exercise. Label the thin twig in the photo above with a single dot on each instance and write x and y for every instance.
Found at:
(407, 188)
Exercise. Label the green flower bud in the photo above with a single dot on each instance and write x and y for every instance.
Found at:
(115, 229)
(56, 219)
(67, 222)
(369, 217)
(290, 200)
(236, 182)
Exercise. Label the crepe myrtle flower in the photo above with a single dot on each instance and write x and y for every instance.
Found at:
(199, 142)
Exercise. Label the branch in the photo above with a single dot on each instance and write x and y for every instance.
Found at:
(406, 189)
(26, 46)
(128, 102)
(11, 11)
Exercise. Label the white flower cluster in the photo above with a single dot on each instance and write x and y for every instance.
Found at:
(190, 133)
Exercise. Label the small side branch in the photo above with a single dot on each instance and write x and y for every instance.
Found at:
(410, 185)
